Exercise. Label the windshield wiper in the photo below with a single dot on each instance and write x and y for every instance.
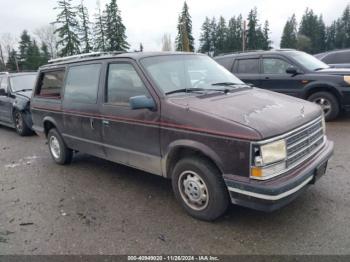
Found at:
(23, 90)
(318, 69)
(185, 90)
(226, 84)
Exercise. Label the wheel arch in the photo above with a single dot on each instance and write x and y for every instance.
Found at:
(323, 87)
(48, 124)
(182, 148)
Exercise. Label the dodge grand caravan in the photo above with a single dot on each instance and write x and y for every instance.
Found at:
(184, 117)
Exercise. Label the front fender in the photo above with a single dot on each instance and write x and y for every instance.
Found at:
(189, 144)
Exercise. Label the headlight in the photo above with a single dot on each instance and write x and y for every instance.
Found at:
(267, 154)
(273, 152)
(347, 79)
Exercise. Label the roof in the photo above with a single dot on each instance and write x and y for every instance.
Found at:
(255, 52)
(105, 55)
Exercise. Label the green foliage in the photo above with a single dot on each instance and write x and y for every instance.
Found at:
(184, 40)
(67, 29)
(234, 34)
(99, 31)
(290, 34)
(114, 28)
(221, 37)
(205, 39)
(84, 28)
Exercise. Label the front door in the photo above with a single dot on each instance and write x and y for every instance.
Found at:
(82, 122)
(130, 137)
(5, 102)
(275, 78)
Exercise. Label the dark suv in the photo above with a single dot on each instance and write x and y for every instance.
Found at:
(15, 92)
(184, 117)
(293, 73)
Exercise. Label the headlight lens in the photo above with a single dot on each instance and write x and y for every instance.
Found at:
(273, 152)
(347, 79)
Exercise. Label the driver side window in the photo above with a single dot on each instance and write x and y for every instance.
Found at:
(4, 84)
(275, 66)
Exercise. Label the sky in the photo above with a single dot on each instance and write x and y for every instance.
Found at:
(147, 20)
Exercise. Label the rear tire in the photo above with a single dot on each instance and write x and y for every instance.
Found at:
(60, 153)
(328, 103)
(20, 125)
(200, 188)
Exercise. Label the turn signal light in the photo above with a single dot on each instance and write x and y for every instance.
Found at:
(256, 172)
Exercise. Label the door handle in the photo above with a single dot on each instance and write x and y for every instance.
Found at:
(105, 122)
(267, 78)
(92, 123)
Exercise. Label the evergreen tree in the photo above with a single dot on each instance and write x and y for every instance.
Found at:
(221, 36)
(45, 54)
(331, 36)
(12, 62)
(252, 32)
(213, 32)
(266, 43)
(25, 47)
(99, 30)
(114, 28)
(205, 38)
(85, 34)
(289, 36)
(141, 47)
(313, 28)
(184, 39)
(67, 29)
(234, 34)
(34, 58)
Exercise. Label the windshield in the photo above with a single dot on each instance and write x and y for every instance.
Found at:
(308, 61)
(22, 82)
(176, 72)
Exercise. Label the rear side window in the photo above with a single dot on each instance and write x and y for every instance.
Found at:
(248, 66)
(50, 84)
(342, 57)
(82, 83)
(123, 83)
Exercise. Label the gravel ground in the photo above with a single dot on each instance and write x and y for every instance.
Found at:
(97, 207)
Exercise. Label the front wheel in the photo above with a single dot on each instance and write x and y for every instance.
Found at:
(58, 150)
(200, 188)
(20, 125)
(328, 102)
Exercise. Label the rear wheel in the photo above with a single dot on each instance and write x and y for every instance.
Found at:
(328, 103)
(20, 125)
(199, 187)
(58, 150)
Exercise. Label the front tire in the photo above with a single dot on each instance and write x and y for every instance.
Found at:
(20, 125)
(328, 103)
(60, 153)
(199, 187)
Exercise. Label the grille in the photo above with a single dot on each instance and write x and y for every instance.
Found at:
(304, 143)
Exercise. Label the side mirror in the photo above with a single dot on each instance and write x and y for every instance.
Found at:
(3, 92)
(142, 102)
(292, 70)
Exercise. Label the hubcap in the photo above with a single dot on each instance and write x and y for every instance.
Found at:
(193, 190)
(324, 103)
(55, 147)
(18, 121)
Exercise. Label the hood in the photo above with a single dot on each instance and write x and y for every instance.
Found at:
(334, 71)
(269, 113)
(27, 94)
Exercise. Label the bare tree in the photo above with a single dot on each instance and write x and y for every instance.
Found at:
(47, 35)
(8, 43)
(166, 42)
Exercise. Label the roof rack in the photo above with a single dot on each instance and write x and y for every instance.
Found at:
(85, 55)
(240, 52)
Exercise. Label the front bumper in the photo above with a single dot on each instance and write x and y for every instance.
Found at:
(272, 194)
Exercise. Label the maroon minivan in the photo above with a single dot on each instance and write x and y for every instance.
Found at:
(184, 117)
